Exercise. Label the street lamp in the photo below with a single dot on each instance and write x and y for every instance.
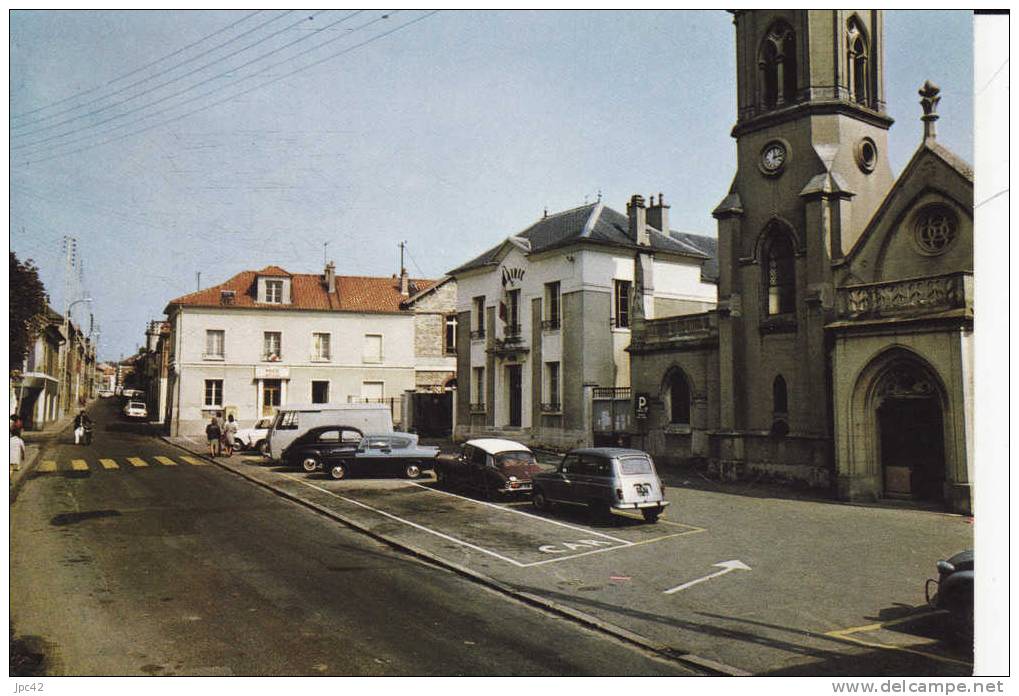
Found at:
(65, 372)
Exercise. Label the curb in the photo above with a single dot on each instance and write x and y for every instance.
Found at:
(592, 622)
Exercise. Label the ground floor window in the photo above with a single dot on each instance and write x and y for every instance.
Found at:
(213, 392)
(679, 397)
(320, 392)
(478, 388)
(372, 391)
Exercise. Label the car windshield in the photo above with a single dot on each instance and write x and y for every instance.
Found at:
(634, 465)
(507, 460)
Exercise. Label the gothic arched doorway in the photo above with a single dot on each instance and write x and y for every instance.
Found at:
(911, 442)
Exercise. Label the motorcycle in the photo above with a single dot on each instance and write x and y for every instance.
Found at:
(85, 435)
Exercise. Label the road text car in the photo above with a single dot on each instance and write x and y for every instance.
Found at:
(489, 466)
(603, 479)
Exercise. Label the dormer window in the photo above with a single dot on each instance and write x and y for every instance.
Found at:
(274, 291)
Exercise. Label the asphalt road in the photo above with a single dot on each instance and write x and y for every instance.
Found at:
(123, 563)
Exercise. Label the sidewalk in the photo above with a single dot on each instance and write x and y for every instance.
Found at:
(35, 442)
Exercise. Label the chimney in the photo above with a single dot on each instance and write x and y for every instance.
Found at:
(330, 277)
(658, 215)
(637, 215)
(404, 283)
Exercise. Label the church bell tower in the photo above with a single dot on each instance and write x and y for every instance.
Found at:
(812, 169)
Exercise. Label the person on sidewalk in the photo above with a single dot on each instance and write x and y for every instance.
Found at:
(229, 435)
(17, 450)
(16, 424)
(212, 434)
(81, 422)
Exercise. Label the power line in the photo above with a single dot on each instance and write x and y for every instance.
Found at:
(244, 92)
(185, 90)
(161, 85)
(136, 70)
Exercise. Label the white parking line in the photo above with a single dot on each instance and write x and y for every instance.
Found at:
(408, 522)
(528, 514)
(692, 530)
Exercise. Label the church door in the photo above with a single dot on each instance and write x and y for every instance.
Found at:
(912, 447)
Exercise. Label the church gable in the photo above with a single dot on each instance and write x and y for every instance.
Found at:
(923, 228)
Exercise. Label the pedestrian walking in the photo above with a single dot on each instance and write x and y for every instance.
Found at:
(212, 434)
(17, 450)
(16, 424)
(229, 435)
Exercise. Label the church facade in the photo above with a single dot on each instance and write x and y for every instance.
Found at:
(840, 354)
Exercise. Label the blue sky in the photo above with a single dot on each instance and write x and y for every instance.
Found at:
(450, 134)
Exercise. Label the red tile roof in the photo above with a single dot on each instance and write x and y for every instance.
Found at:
(353, 293)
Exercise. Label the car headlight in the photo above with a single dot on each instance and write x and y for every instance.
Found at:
(512, 478)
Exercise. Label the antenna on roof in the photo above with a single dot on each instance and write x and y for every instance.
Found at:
(599, 195)
(198, 280)
(325, 247)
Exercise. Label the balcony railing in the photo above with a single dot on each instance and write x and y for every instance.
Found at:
(906, 297)
(477, 408)
(477, 334)
(690, 330)
(512, 331)
(550, 324)
(213, 356)
(554, 407)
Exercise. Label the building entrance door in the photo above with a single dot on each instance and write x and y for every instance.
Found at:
(514, 378)
(912, 447)
(272, 396)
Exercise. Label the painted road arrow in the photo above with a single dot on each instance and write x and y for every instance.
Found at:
(726, 567)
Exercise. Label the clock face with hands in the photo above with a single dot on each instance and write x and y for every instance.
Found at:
(773, 157)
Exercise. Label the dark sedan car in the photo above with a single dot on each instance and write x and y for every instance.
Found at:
(489, 466)
(394, 454)
(322, 447)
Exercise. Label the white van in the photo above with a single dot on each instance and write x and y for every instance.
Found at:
(293, 420)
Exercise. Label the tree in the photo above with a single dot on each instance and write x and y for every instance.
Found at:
(28, 301)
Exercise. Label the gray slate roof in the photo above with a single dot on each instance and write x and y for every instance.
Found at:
(598, 224)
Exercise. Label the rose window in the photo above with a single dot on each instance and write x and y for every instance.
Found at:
(935, 230)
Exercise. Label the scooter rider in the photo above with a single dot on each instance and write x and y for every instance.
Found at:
(82, 428)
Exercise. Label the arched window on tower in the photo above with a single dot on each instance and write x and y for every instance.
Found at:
(777, 64)
(857, 63)
(779, 407)
(679, 397)
(780, 270)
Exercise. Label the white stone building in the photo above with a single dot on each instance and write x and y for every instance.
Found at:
(545, 317)
(266, 338)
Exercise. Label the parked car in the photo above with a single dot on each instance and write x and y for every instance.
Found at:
(953, 592)
(392, 454)
(255, 437)
(105, 394)
(294, 420)
(491, 467)
(322, 447)
(135, 409)
(603, 479)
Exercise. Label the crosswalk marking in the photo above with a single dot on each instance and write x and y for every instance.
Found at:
(52, 465)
